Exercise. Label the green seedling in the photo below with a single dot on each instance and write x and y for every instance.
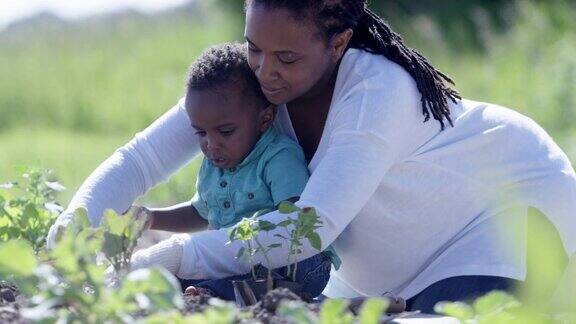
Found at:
(68, 287)
(121, 234)
(246, 231)
(298, 229)
(28, 207)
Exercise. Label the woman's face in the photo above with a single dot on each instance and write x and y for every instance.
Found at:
(289, 57)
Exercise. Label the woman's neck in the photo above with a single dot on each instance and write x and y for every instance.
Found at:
(320, 95)
(308, 115)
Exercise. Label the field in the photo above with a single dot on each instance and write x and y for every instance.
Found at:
(73, 93)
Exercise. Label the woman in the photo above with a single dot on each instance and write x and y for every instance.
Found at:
(412, 206)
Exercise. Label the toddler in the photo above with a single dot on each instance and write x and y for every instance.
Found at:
(248, 166)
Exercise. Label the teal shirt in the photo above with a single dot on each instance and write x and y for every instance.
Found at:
(275, 170)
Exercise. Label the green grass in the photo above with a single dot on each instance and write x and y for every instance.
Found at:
(73, 155)
(113, 80)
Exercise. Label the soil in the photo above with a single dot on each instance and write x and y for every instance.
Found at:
(264, 311)
(10, 302)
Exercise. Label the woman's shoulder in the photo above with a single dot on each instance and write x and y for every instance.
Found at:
(371, 88)
(371, 78)
(374, 70)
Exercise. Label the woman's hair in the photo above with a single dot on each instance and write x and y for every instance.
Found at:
(224, 65)
(372, 34)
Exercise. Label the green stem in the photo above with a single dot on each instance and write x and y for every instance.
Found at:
(251, 261)
(265, 254)
(293, 249)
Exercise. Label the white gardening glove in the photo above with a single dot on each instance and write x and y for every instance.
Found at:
(166, 254)
(57, 230)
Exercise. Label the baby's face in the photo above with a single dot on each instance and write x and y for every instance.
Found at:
(227, 126)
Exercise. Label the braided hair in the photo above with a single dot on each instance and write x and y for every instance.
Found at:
(374, 35)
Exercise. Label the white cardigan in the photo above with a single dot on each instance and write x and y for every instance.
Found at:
(403, 203)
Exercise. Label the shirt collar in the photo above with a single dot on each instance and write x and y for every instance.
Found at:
(260, 146)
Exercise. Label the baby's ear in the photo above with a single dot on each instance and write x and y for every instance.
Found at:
(267, 117)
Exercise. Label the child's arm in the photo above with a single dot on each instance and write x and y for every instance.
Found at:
(181, 218)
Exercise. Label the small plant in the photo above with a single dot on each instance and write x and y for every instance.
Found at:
(121, 234)
(246, 231)
(69, 285)
(298, 229)
(495, 307)
(28, 207)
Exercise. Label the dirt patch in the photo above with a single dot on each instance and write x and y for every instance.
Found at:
(265, 311)
(10, 303)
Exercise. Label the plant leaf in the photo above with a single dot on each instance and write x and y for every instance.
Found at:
(113, 244)
(372, 309)
(495, 301)
(334, 311)
(266, 226)
(115, 223)
(287, 207)
(460, 310)
(315, 240)
(16, 258)
(261, 212)
(240, 253)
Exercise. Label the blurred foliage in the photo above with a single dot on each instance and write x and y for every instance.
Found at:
(28, 207)
(67, 284)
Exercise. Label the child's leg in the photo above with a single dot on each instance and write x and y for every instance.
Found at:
(313, 273)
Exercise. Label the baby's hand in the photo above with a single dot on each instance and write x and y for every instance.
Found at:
(198, 291)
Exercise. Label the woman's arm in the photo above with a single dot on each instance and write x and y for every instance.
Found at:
(149, 158)
(181, 218)
(340, 186)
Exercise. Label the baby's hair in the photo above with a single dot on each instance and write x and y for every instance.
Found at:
(372, 34)
(224, 65)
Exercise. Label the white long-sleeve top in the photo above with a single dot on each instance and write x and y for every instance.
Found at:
(403, 203)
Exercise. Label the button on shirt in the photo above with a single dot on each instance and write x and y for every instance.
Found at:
(275, 170)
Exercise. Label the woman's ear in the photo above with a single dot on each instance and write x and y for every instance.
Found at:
(339, 43)
(267, 117)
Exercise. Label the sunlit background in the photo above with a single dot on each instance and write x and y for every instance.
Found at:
(80, 78)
